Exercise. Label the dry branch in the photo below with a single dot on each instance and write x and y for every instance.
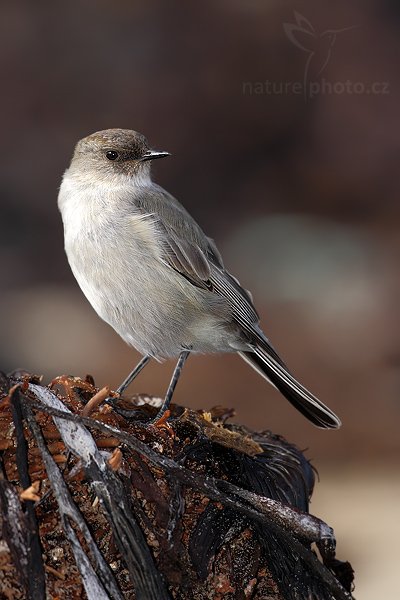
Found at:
(193, 509)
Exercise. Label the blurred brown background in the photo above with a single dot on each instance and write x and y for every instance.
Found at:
(301, 194)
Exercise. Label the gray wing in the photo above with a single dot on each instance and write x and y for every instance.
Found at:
(191, 253)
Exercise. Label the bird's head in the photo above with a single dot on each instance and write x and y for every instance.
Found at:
(114, 152)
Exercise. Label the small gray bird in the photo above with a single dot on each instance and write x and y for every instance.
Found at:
(151, 273)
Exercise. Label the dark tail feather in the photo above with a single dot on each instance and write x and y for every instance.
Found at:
(277, 374)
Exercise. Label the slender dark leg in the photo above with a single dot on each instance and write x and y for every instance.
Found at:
(130, 377)
(127, 382)
(170, 391)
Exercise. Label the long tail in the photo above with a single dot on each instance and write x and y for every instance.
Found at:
(267, 363)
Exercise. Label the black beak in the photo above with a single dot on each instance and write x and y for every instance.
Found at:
(153, 154)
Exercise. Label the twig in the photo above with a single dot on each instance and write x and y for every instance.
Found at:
(32, 573)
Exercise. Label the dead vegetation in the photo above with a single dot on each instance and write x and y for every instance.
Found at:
(96, 504)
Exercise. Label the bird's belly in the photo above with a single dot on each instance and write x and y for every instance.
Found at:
(153, 308)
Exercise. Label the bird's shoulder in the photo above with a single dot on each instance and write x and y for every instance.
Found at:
(189, 251)
(174, 217)
(186, 244)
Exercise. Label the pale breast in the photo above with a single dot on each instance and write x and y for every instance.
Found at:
(116, 255)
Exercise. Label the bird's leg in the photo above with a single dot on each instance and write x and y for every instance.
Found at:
(175, 376)
(127, 382)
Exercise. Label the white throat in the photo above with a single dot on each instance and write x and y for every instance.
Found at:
(86, 200)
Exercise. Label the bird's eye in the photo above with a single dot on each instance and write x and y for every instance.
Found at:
(112, 155)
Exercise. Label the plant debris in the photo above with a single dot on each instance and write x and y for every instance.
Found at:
(96, 503)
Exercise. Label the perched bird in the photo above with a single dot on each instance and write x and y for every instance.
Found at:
(149, 271)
